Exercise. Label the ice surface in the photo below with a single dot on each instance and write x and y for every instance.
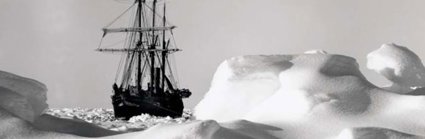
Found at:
(399, 65)
(105, 118)
(22, 96)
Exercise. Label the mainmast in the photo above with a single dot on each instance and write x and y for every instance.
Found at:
(139, 45)
(164, 54)
(152, 53)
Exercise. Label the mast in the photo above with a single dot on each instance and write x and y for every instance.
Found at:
(139, 44)
(164, 20)
(153, 43)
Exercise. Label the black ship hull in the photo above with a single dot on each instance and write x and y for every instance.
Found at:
(131, 103)
(158, 106)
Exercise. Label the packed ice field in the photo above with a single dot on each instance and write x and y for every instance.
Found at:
(105, 118)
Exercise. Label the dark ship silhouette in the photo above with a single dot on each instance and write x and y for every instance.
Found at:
(145, 81)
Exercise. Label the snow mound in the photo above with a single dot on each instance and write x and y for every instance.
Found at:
(242, 83)
(23, 97)
(229, 86)
(399, 65)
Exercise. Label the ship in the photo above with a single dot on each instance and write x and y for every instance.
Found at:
(144, 82)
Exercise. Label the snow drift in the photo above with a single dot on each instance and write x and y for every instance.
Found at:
(23, 97)
(319, 95)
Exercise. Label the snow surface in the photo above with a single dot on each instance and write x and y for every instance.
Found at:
(317, 95)
(314, 95)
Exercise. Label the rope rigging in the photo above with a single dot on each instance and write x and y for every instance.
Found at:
(127, 64)
(116, 19)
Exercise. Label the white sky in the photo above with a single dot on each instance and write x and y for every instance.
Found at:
(53, 41)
